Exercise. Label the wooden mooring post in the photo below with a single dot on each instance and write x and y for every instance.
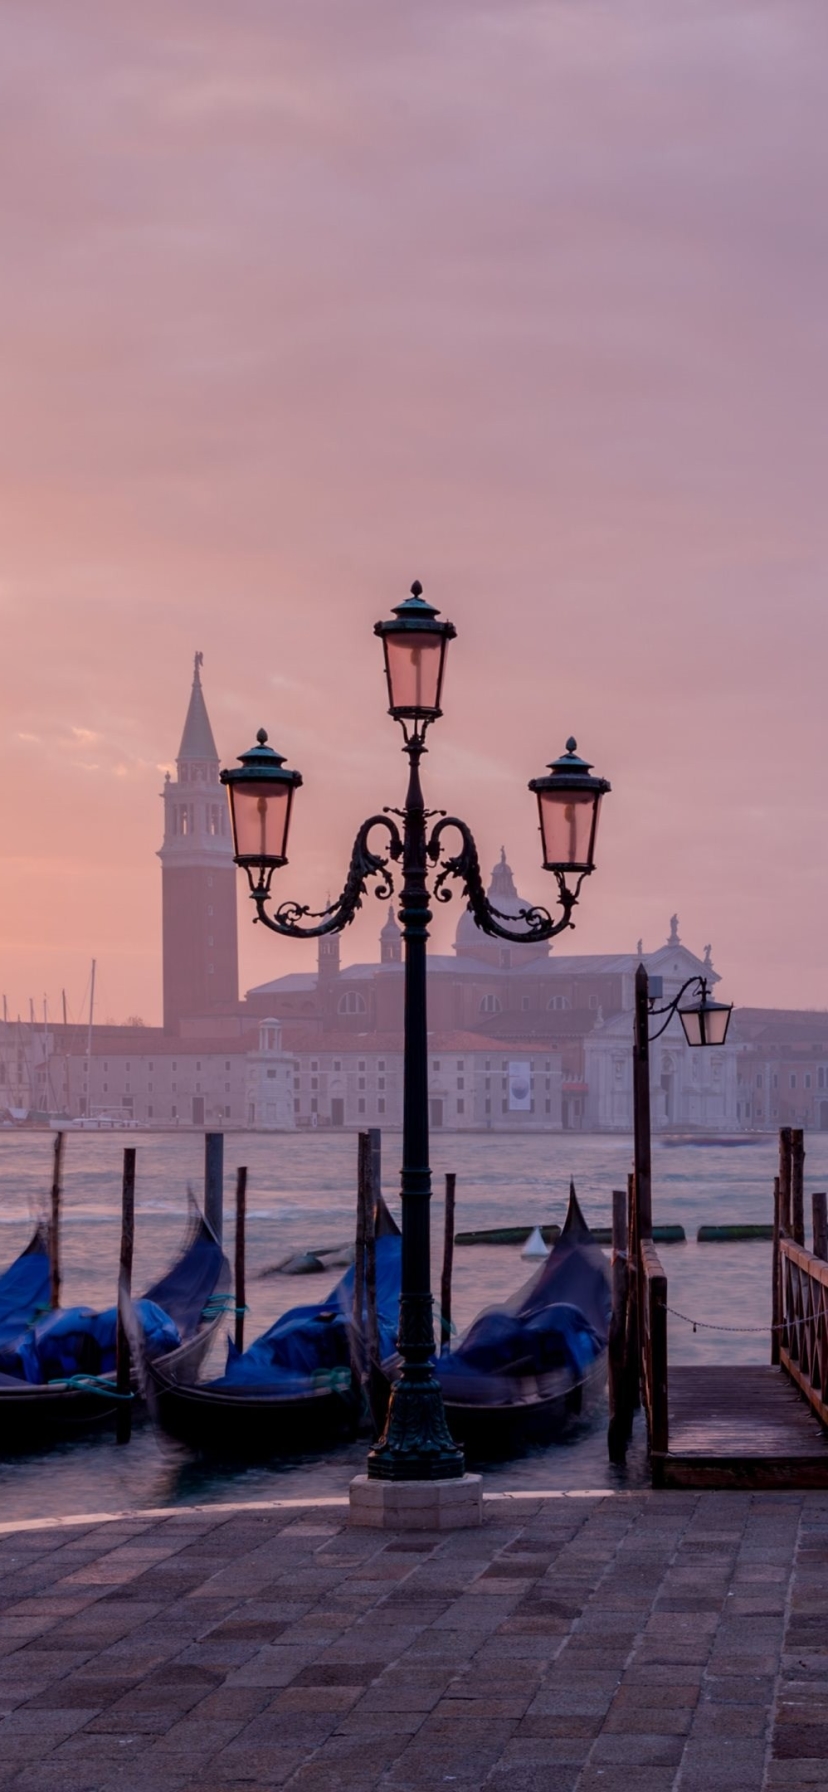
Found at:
(448, 1264)
(54, 1224)
(785, 1180)
(239, 1278)
(776, 1271)
(214, 1183)
(620, 1416)
(819, 1207)
(632, 1351)
(123, 1416)
(798, 1185)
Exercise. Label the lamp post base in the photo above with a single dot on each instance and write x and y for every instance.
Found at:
(416, 1505)
(416, 1444)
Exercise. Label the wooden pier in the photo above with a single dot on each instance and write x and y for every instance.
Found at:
(733, 1425)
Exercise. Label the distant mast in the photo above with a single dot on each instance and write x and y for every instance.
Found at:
(91, 1013)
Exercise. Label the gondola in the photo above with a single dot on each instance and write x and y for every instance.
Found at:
(57, 1376)
(296, 1387)
(524, 1369)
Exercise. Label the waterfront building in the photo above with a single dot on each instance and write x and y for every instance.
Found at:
(522, 1037)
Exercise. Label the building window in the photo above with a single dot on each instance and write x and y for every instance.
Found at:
(174, 1113)
(548, 1107)
(487, 1107)
(314, 1106)
(227, 1088)
(525, 1003)
(314, 1064)
(361, 1084)
(361, 1064)
(461, 1082)
(295, 1106)
(461, 1107)
(380, 1063)
(149, 1112)
(759, 1080)
(352, 1003)
(775, 1081)
(559, 1002)
(435, 1063)
(314, 1079)
(793, 1079)
(491, 1005)
(361, 1106)
(807, 1080)
(505, 1106)
(381, 1105)
(271, 1075)
(337, 1063)
(488, 1083)
(380, 1082)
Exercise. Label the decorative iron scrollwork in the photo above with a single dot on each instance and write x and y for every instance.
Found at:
(365, 864)
(465, 867)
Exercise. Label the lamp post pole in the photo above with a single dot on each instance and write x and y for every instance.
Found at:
(416, 1444)
(641, 1106)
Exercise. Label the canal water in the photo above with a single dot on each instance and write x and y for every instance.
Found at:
(301, 1196)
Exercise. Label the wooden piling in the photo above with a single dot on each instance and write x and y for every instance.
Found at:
(448, 1264)
(239, 1272)
(54, 1223)
(123, 1417)
(363, 1200)
(785, 1179)
(214, 1183)
(819, 1207)
(641, 1106)
(619, 1426)
(798, 1185)
(632, 1352)
(776, 1272)
(371, 1199)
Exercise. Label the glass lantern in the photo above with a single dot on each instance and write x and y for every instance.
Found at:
(569, 804)
(261, 800)
(414, 644)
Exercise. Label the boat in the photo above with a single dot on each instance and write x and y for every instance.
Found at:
(723, 1141)
(297, 1386)
(57, 1375)
(522, 1370)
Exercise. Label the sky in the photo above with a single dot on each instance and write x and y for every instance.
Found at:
(527, 300)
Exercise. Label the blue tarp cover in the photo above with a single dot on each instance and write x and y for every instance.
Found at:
(558, 1320)
(311, 1343)
(78, 1341)
(24, 1289)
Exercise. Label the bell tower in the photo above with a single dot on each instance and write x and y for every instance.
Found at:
(198, 877)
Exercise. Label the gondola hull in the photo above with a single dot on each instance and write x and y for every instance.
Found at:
(246, 1426)
(33, 1414)
(496, 1429)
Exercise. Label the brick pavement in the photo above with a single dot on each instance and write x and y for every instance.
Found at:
(647, 1642)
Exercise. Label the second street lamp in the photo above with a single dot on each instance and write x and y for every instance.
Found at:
(416, 1444)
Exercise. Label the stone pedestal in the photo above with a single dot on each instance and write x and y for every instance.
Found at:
(417, 1505)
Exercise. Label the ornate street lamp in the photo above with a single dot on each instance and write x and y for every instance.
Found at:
(416, 1444)
(705, 1023)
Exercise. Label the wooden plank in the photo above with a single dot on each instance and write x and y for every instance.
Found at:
(745, 1426)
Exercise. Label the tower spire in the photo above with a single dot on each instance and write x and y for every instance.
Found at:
(197, 741)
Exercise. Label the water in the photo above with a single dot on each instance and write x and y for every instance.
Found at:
(301, 1196)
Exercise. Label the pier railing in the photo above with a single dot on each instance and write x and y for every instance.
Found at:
(803, 1322)
(653, 1322)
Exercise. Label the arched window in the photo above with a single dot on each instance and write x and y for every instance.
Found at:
(559, 1002)
(491, 1005)
(352, 1003)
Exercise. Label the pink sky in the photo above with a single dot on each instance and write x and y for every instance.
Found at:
(527, 300)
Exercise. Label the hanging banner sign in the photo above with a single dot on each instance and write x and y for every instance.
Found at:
(520, 1086)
